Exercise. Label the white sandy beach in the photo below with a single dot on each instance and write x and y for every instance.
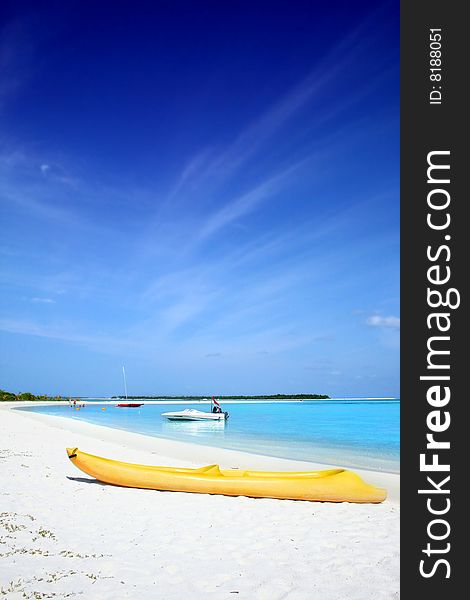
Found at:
(62, 534)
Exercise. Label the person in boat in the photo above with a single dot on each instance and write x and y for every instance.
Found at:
(216, 406)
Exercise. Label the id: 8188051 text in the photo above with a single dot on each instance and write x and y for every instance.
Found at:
(435, 66)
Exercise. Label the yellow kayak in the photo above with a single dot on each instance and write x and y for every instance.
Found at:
(333, 485)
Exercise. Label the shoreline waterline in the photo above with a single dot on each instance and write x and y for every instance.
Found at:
(355, 435)
(189, 400)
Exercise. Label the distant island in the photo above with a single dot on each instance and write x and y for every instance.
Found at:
(28, 397)
(207, 397)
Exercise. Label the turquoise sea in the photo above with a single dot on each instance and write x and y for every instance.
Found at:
(350, 433)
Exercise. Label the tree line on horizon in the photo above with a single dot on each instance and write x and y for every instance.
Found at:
(29, 397)
(264, 397)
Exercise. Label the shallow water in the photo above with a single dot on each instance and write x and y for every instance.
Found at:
(351, 433)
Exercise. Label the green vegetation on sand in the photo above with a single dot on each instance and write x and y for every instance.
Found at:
(26, 397)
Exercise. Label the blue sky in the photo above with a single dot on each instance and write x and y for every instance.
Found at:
(206, 193)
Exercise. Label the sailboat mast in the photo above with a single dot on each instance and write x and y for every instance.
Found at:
(125, 383)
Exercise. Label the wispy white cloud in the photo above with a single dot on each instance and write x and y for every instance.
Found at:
(234, 210)
(43, 300)
(249, 288)
(183, 310)
(202, 203)
(246, 203)
(191, 172)
(321, 365)
(50, 195)
(27, 199)
(384, 322)
(66, 333)
(211, 168)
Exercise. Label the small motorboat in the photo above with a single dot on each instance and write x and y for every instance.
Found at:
(191, 414)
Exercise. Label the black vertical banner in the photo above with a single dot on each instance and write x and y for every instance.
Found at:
(435, 252)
